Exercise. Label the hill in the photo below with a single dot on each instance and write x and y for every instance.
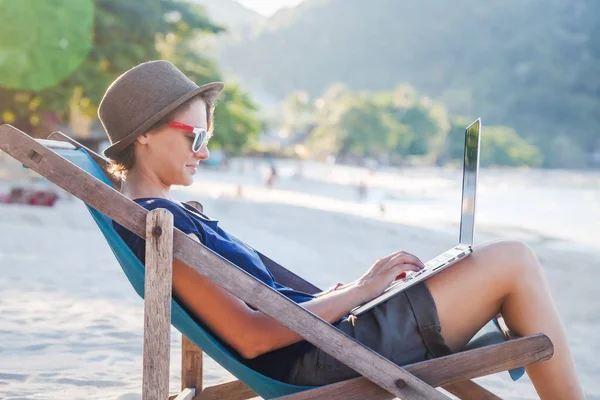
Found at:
(532, 65)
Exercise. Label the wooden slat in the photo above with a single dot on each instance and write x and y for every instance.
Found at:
(234, 390)
(191, 365)
(186, 394)
(157, 304)
(225, 274)
(486, 360)
(352, 389)
(445, 370)
(468, 390)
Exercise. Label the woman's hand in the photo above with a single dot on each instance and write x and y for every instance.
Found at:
(385, 271)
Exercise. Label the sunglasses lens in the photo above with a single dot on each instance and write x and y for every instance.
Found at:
(199, 142)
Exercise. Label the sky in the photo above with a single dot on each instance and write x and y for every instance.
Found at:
(268, 7)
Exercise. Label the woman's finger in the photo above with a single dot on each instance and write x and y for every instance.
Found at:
(417, 259)
(408, 259)
(410, 267)
(383, 263)
(399, 271)
(396, 254)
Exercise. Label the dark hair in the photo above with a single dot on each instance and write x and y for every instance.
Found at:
(119, 165)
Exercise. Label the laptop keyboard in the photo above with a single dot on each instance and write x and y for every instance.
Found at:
(439, 260)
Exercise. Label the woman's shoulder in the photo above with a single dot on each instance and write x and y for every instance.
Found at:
(181, 218)
(177, 209)
(151, 203)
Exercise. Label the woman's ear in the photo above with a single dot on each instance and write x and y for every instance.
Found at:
(142, 139)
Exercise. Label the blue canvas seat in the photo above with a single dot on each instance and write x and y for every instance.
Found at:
(192, 329)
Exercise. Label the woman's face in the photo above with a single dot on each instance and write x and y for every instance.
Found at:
(168, 151)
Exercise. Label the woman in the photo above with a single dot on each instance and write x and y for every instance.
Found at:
(159, 123)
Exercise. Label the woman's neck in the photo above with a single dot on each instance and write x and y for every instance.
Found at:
(137, 186)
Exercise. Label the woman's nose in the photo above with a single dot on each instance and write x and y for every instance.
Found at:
(203, 153)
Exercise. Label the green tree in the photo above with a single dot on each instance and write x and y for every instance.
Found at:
(237, 124)
(236, 117)
(500, 146)
(455, 140)
(329, 107)
(366, 129)
(41, 43)
(422, 126)
(124, 36)
(127, 33)
(503, 146)
(298, 112)
(398, 123)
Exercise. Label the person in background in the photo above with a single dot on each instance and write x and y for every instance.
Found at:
(272, 175)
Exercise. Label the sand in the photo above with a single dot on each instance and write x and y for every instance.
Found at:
(72, 325)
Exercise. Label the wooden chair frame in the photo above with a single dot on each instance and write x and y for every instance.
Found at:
(381, 379)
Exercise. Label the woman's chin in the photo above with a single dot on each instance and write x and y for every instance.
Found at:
(188, 180)
(184, 180)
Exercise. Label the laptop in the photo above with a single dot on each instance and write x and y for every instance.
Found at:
(467, 225)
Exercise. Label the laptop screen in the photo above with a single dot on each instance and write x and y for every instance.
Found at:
(470, 170)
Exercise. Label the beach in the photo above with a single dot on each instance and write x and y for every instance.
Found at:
(72, 325)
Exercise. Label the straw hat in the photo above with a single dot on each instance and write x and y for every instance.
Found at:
(140, 97)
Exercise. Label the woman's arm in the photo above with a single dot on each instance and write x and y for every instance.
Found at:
(252, 333)
(331, 289)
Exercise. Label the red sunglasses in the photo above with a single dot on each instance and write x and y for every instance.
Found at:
(200, 138)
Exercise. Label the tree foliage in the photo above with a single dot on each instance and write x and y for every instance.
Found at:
(127, 33)
(402, 125)
(500, 146)
(34, 54)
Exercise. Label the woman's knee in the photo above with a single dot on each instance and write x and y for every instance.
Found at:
(515, 258)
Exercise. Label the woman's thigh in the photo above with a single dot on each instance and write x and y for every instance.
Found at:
(405, 329)
(471, 292)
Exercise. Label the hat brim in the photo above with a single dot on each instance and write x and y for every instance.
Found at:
(116, 147)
